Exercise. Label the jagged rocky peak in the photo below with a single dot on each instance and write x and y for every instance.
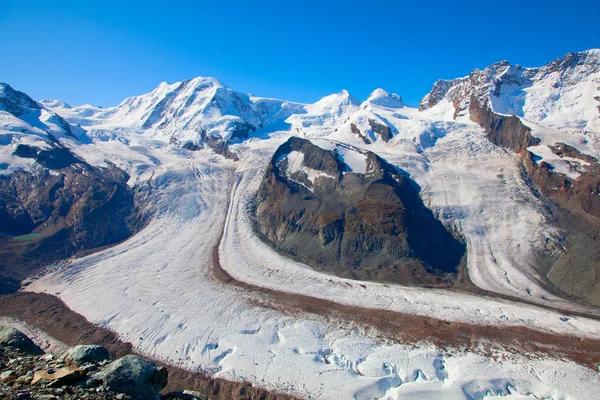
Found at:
(347, 211)
(480, 85)
(31, 117)
(15, 102)
(383, 98)
(573, 64)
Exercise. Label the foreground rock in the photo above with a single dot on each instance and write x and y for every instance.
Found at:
(90, 353)
(348, 212)
(134, 376)
(82, 372)
(10, 337)
(49, 314)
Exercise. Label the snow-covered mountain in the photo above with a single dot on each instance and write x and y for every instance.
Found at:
(559, 101)
(506, 158)
(26, 122)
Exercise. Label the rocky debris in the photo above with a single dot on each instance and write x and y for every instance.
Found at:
(11, 337)
(134, 376)
(34, 376)
(368, 224)
(57, 377)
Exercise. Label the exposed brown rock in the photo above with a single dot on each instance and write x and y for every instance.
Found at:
(354, 129)
(503, 131)
(68, 205)
(372, 226)
(573, 203)
(382, 130)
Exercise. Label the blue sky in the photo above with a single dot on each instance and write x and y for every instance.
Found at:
(101, 52)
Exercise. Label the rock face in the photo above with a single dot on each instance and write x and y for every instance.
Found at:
(134, 376)
(504, 131)
(348, 212)
(498, 99)
(66, 207)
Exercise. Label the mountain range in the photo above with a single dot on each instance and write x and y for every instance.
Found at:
(490, 187)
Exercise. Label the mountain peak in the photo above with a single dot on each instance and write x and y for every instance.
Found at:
(15, 102)
(203, 82)
(384, 98)
(343, 98)
(53, 103)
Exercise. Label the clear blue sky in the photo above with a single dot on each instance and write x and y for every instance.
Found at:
(100, 52)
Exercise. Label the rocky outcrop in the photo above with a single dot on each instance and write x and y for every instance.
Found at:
(62, 207)
(219, 145)
(364, 221)
(382, 130)
(502, 130)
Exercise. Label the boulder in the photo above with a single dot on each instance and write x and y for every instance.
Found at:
(86, 353)
(14, 338)
(134, 376)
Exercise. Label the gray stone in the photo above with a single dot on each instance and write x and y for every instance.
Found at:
(134, 376)
(7, 375)
(83, 354)
(14, 338)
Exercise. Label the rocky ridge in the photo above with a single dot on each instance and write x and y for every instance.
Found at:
(493, 98)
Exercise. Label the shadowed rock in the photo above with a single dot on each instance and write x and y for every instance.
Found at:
(134, 376)
(14, 338)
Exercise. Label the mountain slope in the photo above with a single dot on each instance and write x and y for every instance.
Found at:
(550, 116)
(53, 204)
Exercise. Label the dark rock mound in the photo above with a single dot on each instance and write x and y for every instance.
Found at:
(362, 224)
(65, 207)
(86, 353)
